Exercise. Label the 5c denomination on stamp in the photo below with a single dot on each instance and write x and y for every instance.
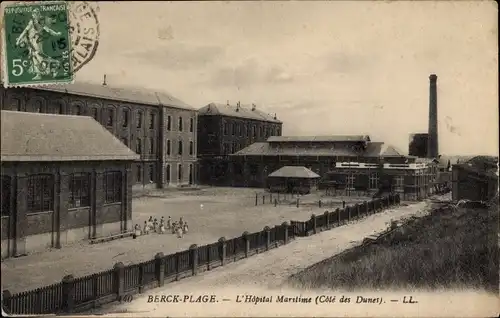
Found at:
(37, 46)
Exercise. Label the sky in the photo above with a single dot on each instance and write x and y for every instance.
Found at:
(325, 68)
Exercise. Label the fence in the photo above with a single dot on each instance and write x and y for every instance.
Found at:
(293, 199)
(80, 294)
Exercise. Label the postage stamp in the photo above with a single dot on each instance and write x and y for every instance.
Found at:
(37, 46)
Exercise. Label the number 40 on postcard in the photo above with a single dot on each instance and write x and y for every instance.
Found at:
(37, 47)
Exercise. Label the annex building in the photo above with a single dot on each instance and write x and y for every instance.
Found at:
(63, 179)
(224, 129)
(344, 163)
(157, 126)
(475, 179)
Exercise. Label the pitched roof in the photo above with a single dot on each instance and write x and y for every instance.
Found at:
(483, 166)
(294, 172)
(244, 111)
(333, 138)
(373, 149)
(48, 137)
(138, 96)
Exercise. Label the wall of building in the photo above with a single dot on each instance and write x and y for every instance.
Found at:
(467, 185)
(24, 232)
(136, 125)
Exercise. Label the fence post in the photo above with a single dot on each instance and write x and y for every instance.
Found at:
(177, 265)
(263, 199)
(357, 210)
(270, 197)
(68, 293)
(275, 202)
(247, 243)
(297, 202)
(222, 250)
(319, 204)
(119, 273)
(193, 250)
(268, 237)
(327, 220)
(256, 198)
(160, 268)
(5, 301)
(348, 214)
(365, 207)
(285, 230)
(141, 278)
(313, 218)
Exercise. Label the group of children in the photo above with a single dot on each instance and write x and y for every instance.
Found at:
(180, 228)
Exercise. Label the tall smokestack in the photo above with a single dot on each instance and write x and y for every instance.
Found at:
(432, 145)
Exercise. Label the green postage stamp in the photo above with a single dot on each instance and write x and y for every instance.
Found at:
(37, 44)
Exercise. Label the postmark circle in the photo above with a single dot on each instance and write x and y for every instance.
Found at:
(84, 31)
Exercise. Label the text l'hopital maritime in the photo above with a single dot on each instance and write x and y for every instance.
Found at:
(23, 9)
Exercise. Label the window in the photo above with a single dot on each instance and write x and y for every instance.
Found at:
(180, 147)
(151, 173)
(261, 131)
(180, 123)
(15, 104)
(399, 182)
(169, 145)
(191, 124)
(40, 193)
(109, 118)
(6, 193)
(57, 107)
(79, 190)
(240, 132)
(226, 128)
(233, 129)
(125, 117)
(113, 186)
(138, 177)
(179, 173)
(151, 145)
(167, 174)
(190, 174)
(233, 146)
(254, 131)
(191, 148)
(77, 110)
(37, 108)
(374, 181)
(350, 181)
(139, 146)
(139, 119)
(151, 121)
(169, 123)
(226, 148)
(94, 114)
(247, 130)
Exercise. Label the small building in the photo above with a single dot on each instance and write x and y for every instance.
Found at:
(475, 179)
(293, 179)
(63, 179)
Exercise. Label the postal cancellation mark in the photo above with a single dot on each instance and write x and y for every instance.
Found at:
(84, 30)
(37, 44)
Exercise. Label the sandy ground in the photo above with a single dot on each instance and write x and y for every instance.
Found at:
(263, 274)
(210, 213)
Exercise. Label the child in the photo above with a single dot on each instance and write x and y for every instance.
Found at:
(169, 223)
(146, 227)
(155, 225)
(185, 227)
(179, 232)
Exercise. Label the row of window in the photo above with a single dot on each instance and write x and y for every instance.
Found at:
(109, 115)
(230, 148)
(180, 148)
(40, 194)
(247, 130)
(151, 173)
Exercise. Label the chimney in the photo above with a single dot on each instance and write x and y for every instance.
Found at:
(227, 102)
(253, 107)
(238, 106)
(432, 145)
(104, 81)
(275, 117)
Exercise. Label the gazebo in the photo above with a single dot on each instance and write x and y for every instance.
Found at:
(293, 179)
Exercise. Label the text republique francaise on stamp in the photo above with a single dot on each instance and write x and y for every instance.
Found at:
(47, 42)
